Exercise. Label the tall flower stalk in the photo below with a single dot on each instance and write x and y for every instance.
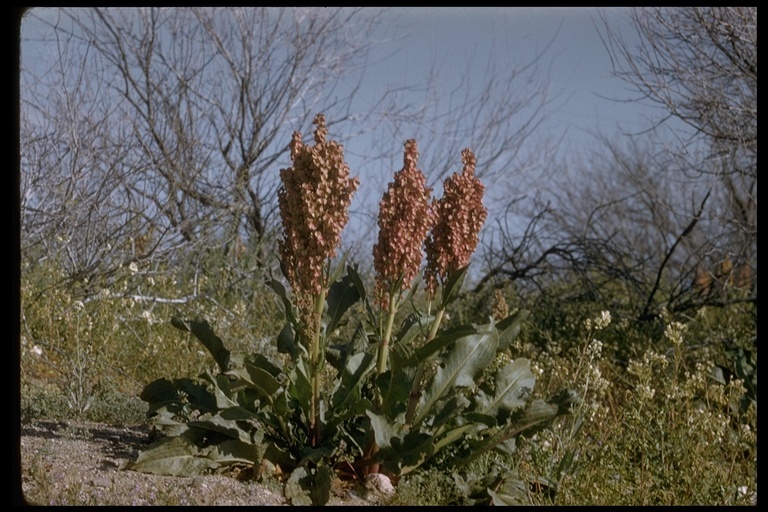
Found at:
(459, 216)
(405, 217)
(314, 202)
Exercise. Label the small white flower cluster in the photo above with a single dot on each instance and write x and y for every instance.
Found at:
(674, 333)
(133, 268)
(645, 391)
(536, 370)
(600, 322)
(595, 350)
(603, 321)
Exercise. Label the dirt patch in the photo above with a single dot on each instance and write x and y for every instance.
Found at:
(78, 463)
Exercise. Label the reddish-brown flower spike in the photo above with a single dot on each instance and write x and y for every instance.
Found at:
(314, 202)
(460, 215)
(405, 217)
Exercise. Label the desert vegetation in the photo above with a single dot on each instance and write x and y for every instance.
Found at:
(192, 269)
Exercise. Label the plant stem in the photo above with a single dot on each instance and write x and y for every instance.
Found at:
(381, 365)
(316, 370)
(415, 394)
(435, 324)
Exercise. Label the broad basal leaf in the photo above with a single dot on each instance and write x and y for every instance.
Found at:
(468, 356)
(203, 332)
(309, 486)
(513, 385)
(352, 378)
(173, 456)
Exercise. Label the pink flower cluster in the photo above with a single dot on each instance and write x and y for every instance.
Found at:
(460, 215)
(405, 216)
(314, 202)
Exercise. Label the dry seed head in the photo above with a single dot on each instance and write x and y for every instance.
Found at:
(314, 202)
(460, 215)
(405, 217)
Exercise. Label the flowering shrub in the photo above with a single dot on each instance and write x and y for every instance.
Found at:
(397, 398)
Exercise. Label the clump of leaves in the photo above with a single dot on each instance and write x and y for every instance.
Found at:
(252, 410)
(397, 398)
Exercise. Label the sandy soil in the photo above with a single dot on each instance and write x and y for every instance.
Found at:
(78, 463)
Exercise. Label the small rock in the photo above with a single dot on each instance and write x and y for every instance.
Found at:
(379, 483)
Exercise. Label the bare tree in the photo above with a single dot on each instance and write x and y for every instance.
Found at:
(195, 107)
(174, 121)
(667, 219)
(700, 65)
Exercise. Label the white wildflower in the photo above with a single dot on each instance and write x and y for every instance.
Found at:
(603, 321)
(133, 268)
(646, 392)
(674, 333)
(595, 349)
(37, 350)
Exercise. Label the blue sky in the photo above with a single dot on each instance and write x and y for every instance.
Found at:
(576, 67)
(576, 63)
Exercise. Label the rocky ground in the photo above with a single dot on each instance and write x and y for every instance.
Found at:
(78, 463)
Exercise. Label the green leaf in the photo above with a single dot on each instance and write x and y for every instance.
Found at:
(168, 423)
(338, 354)
(355, 277)
(510, 327)
(314, 455)
(174, 456)
(412, 290)
(234, 451)
(468, 356)
(383, 430)
(342, 295)
(513, 385)
(532, 417)
(441, 341)
(512, 491)
(452, 286)
(449, 410)
(300, 387)
(257, 379)
(409, 453)
(160, 391)
(203, 332)
(286, 340)
(395, 384)
(309, 487)
(221, 390)
(415, 324)
(243, 431)
(352, 379)
(338, 269)
(279, 289)
(165, 393)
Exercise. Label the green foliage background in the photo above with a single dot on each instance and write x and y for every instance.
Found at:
(660, 423)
